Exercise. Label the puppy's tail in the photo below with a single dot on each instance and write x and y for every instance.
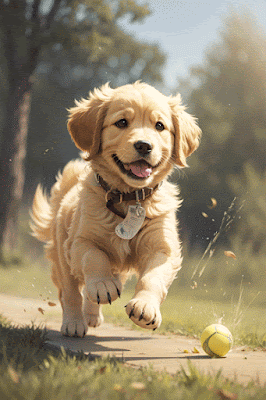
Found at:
(41, 216)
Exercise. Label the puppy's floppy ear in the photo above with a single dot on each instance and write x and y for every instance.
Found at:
(187, 133)
(86, 120)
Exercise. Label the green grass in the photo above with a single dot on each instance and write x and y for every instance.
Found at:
(29, 372)
(227, 290)
(185, 311)
(21, 347)
(187, 314)
(27, 275)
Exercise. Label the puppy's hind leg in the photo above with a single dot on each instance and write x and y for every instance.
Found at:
(71, 300)
(69, 291)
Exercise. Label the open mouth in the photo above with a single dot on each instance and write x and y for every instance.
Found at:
(139, 169)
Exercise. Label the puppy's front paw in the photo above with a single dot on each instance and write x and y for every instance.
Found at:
(143, 313)
(104, 290)
(74, 328)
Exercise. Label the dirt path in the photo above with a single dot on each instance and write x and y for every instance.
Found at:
(134, 347)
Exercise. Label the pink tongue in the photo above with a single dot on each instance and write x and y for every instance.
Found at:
(141, 170)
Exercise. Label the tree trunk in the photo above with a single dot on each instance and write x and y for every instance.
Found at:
(12, 155)
(25, 30)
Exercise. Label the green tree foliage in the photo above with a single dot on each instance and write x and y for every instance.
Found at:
(65, 74)
(71, 40)
(228, 95)
(250, 189)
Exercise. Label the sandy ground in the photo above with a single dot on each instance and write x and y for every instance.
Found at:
(137, 348)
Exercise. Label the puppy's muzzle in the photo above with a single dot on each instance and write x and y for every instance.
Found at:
(143, 147)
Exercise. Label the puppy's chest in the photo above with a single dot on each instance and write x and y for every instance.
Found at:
(122, 250)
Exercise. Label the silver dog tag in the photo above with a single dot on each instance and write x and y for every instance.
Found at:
(130, 226)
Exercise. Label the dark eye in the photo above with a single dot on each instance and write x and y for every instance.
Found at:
(122, 123)
(159, 126)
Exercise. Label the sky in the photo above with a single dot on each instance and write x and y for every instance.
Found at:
(185, 29)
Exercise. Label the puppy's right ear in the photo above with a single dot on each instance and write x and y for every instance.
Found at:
(86, 120)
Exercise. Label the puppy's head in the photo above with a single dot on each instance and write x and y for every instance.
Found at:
(134, 133)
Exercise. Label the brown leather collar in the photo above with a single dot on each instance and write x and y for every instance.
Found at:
(116, 197)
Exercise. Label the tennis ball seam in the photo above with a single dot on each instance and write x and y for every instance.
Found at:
(205, 345)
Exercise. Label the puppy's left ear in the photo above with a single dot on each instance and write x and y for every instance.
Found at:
(187, 132)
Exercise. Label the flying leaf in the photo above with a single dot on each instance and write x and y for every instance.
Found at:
(51, 304)
(41, 310)
(204, 214)
(194, 286)
(230, 254)
(214, 203)
(13, 374)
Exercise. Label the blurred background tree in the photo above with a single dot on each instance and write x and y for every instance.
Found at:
(227, 93)
(51, 51)
(250, 188)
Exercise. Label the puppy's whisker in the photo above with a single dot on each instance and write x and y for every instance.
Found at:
(124, 152)
(167, 159)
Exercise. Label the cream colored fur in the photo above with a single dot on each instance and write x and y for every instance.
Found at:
(78, 229)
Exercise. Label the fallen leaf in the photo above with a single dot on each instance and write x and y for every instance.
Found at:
(102, 370)
(226, 395)
(214, 203)
(118, 387)
(230, 254)
(195, 351)
(138, 385)
(186, 351)
(41, 310)
(204, 214)
(51, 304)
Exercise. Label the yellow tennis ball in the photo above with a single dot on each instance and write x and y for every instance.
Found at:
(216, 340)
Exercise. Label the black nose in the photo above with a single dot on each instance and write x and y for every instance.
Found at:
(143, 147)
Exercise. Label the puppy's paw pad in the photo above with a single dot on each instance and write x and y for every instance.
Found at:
(144, 314)
(74, 328)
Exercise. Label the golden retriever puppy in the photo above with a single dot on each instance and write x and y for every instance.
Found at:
(113, 213)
